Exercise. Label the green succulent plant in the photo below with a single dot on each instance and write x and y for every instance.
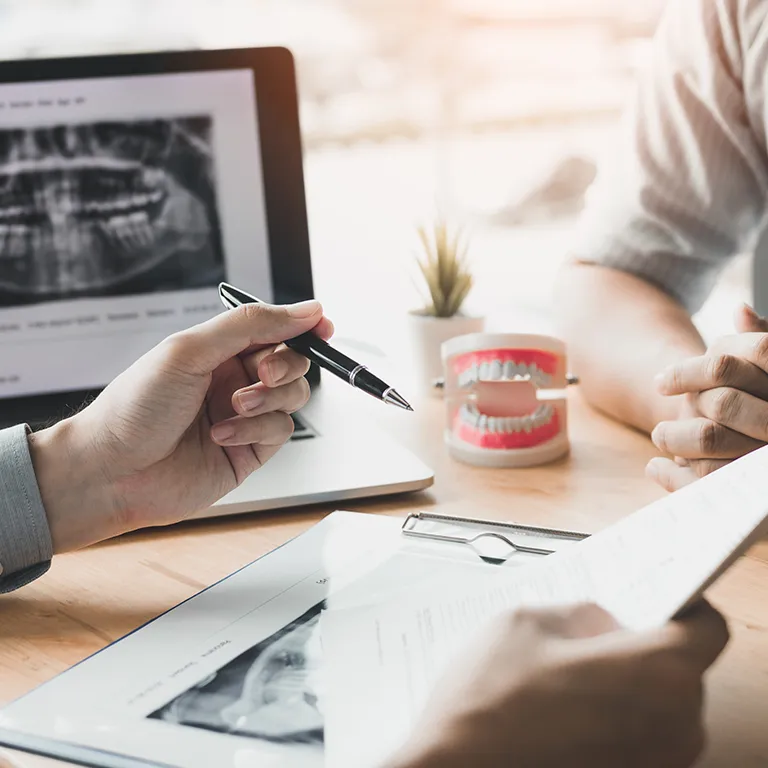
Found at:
(443, 265)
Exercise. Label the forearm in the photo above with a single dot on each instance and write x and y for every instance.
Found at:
(621, 332)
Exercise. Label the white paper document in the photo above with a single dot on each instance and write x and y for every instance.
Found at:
(231, 678)
(381, 661)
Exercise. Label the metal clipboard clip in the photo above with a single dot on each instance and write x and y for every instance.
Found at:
(494, 542)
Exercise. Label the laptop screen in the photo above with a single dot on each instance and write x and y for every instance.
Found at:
(124, 201)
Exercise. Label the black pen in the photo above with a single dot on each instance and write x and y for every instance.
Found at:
(321, 352)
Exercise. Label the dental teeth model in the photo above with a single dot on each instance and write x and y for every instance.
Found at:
(505, 399)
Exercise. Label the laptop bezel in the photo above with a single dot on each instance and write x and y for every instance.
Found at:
(277, 109)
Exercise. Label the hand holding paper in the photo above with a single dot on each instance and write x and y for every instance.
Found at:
(643, 571)
(533, 694)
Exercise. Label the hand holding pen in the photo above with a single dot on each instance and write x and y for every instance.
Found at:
(321, 352)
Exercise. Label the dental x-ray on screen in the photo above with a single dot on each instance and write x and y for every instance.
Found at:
(108, 208)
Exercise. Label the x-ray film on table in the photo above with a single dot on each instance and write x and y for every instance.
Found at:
(237, 671)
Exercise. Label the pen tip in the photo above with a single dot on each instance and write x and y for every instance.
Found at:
(393, 398)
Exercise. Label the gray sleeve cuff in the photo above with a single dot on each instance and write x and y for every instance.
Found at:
(25, 539)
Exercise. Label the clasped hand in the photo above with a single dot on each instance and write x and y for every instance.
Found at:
(724, 405)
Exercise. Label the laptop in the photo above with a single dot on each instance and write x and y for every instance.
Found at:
(130, 186)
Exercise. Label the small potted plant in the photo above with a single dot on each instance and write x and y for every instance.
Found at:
(443, 267)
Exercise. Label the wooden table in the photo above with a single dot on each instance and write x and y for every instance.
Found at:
(93, 597)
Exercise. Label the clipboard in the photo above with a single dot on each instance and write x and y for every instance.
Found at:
(494, 542)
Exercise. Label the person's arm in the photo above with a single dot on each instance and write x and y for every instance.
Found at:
(617, 351)
(684, 192)
(183, 426)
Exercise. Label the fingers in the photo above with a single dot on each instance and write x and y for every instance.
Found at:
(701, 438)
(276, 365)
(204, 347)
(669, 475)
(703, 467)
(746, 320)
(269, 430)
(258, 399)
(697, 374)
(324, 329)
(737, 410)
(701, 633)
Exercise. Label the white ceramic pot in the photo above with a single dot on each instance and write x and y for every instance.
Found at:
(427, 335)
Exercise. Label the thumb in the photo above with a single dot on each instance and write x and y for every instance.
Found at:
(747, 320)
(204, 347)
(701, 633)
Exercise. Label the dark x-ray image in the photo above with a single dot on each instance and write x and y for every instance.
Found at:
(107, 208)
(268, 692)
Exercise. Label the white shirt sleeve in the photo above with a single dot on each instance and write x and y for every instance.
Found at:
(685, 189)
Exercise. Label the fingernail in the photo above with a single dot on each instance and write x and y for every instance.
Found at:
(660, 380)
(651, 470)
(753, 314)
(277, 369)
(251, 399)
(223, 432)
(304, 308)
(749, 310)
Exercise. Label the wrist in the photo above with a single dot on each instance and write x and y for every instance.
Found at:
(76, 494)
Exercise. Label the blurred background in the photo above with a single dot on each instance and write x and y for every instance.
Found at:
(493, 112)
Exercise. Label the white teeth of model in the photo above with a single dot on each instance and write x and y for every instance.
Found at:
(496, 370)
(527, 424)
(472, 374)
(509, 370)
(485, 370)
(546, 379)
(482, 423)
(492, 424)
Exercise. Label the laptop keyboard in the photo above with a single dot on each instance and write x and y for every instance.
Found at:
(301, 430)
